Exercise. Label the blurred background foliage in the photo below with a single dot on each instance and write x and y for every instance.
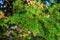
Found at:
(36, 23)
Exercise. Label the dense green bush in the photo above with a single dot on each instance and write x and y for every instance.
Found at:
(41, 22)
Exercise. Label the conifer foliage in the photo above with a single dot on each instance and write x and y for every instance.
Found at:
(31, 20)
